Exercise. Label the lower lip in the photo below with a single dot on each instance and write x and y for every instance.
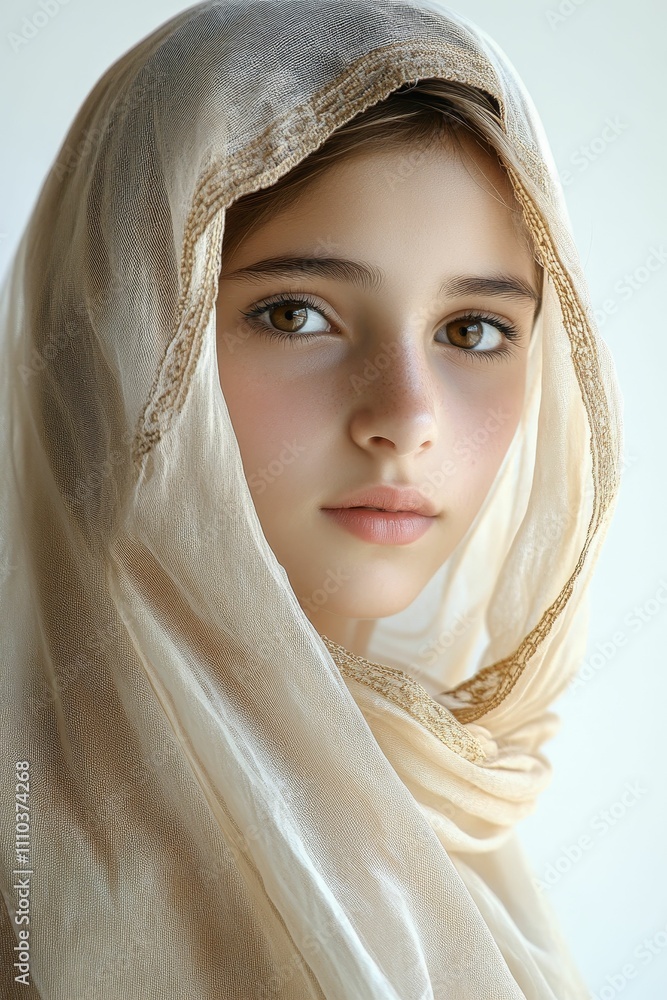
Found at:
(379, 526)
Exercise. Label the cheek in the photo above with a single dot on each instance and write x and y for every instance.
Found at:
(275, 423)
(482, 424)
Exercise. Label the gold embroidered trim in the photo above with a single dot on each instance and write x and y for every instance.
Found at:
(368, 80)
(491, 685)
(172, 380)
(409, 695)
(222, 182)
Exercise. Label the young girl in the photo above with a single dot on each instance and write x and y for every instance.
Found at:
(309, 446)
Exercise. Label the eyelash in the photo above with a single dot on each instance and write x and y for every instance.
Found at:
(304, 299)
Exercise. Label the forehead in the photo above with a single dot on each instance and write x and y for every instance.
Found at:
(422, 182)
(420, 198)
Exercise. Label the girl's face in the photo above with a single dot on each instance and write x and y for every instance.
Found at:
(398, 358)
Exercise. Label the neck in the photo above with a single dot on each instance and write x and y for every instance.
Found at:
(352, 633)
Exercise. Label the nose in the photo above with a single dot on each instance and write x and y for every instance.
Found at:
(396, 407)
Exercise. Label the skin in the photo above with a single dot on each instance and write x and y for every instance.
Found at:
(381, 393)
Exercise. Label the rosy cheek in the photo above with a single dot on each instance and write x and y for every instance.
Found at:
(269, 413)
(478, 427)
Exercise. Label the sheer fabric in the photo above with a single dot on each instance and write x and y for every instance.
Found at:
(223, 803)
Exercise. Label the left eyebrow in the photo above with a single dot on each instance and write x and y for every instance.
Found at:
(372, 278)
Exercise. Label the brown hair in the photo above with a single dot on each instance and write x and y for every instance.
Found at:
(423, 115)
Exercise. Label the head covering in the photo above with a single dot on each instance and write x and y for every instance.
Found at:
(212, 798)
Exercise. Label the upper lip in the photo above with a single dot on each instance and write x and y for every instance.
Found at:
(389, 498)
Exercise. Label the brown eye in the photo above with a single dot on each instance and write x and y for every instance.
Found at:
(288, 316)
(464, 333)
(476, 335)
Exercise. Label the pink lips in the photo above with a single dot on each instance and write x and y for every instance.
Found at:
(379, 526)
(404, 515)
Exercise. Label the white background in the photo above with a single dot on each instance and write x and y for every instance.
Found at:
(597, 840)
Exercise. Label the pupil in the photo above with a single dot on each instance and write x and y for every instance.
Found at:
(463, 331)
(292, 316)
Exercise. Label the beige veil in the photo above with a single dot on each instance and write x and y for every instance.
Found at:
(212, 800)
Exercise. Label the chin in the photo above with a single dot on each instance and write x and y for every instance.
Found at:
(365, 608)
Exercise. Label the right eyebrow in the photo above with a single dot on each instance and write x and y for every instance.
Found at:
(370, 277)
